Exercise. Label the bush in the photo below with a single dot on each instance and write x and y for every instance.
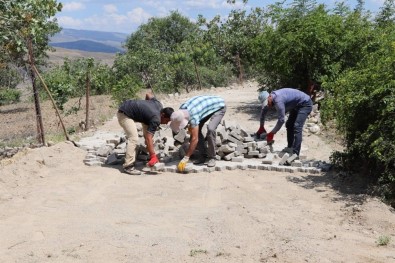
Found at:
(9, 96)
(362, 100)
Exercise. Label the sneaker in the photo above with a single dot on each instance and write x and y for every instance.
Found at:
(131, 170)
(201, 160)
(211, 162)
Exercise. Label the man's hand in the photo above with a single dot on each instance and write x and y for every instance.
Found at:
(153, 160)
(260, 131)
(269, 137)
(182, 164)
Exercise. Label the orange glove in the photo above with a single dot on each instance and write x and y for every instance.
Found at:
(260, 131)
(269, 137)
(153, 160)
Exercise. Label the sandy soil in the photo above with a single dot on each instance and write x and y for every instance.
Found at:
(53, 208)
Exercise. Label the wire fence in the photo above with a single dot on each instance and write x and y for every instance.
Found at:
(19, 121)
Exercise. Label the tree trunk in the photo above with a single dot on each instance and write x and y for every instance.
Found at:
(197, 75)
(88, 90)
(39, 119)
(239, 68)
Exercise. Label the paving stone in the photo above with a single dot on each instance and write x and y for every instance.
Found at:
(284, 159)
(231, 167)
(242, 166)
(238, 159)
(252, 166)
(93, 163)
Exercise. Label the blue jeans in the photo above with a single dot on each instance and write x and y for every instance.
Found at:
(297, 118)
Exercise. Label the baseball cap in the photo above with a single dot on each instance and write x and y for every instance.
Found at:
(262, 97)
(178, 120)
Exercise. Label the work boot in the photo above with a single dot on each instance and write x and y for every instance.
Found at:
(211, 162)
(131, 170)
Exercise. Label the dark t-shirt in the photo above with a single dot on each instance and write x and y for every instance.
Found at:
(144, 111)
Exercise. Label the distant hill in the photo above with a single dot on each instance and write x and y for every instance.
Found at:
(57, 56)
(87, 45)
(89, 40)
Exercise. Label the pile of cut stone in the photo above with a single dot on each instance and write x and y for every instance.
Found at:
(236, 148)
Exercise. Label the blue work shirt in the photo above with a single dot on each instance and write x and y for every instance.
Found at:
(284, 100)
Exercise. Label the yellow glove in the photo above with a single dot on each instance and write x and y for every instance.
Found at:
(182, 164)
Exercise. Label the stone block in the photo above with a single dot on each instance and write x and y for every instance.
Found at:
(238, 159)
(242, 166)
(229, 156)
(231, 167)
(252, 166)
(93, 163)
(284, 159)
(297, 163)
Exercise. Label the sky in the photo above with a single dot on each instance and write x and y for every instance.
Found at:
(125, 16)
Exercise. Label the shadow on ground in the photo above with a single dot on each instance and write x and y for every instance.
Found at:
(352, 189)
(254, 111)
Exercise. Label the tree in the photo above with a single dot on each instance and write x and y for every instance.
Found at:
(168, 54)
(310, 43)
(26, 28)
(361, 100)
(231, 37)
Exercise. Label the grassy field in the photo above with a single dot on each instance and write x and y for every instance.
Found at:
(57, 57)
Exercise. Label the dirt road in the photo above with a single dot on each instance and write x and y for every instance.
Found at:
(53, 208)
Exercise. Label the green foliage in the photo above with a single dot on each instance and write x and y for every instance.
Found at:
(23, 20)
(168, 54)
(307, 41)
(232, 37)
(362, 101)
(69, 80)
(8, 96)
(383, 240)
(9, 76)
(126, 88)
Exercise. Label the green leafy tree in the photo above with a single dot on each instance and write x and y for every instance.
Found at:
(311, 42)
(167, 54)
(26, 26)
(69, 80)
(231, 37)
(362, 102)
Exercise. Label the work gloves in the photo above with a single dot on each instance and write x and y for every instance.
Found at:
(153, 160)
(269, 138)
(182, 164)
(260, 131)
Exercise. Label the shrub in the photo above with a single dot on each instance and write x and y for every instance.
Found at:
(9, 96)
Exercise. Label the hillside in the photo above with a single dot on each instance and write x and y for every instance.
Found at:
(89, 40)
(87, 45)
(57, 57)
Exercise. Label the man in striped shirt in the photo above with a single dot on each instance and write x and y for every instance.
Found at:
(194, 113)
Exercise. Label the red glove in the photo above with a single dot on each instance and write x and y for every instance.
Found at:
(153, 160)
(260, 131)
(269, 137)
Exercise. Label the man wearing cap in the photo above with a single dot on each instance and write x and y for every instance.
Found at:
(150, 114)
(195, 113)
(299, 106)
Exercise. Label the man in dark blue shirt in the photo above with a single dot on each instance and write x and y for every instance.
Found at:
(150, 114)
(299, 106)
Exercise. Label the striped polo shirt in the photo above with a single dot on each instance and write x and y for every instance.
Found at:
(200, 107)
